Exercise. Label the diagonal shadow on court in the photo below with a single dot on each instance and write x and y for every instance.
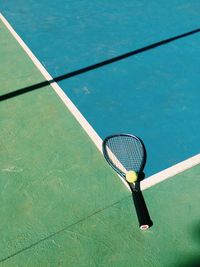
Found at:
(95, 66)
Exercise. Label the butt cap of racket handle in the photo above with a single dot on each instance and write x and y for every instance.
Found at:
(144, 227)
(144, 218)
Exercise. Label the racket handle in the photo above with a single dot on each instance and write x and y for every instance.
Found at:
(141, 209)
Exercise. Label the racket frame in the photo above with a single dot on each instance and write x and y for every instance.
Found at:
(141, 209)
(121, 173)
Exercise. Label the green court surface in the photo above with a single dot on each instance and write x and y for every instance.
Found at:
(62, 205)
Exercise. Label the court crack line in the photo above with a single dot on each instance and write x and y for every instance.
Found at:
(64, 229)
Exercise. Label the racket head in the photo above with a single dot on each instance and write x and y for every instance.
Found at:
(124, 152)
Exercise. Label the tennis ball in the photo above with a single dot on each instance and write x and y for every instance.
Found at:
(131, 176)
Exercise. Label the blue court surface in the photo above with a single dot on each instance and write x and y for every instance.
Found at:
(153, 93)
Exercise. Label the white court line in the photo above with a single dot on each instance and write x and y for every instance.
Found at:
(170, 172)
(68, 103)
(152, 180)
(84, 123)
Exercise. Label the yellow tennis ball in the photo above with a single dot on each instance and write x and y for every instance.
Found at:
(131, 176)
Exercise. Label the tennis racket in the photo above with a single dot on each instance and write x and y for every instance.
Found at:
(126, 154)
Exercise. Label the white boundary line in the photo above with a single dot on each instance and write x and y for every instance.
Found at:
(68, 103)
(150, 181)
(170, 172)
(86, 126)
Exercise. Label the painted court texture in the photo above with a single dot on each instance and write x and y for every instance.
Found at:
(61, 204)
(153, 93)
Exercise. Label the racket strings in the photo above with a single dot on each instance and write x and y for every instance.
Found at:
(125, 152)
